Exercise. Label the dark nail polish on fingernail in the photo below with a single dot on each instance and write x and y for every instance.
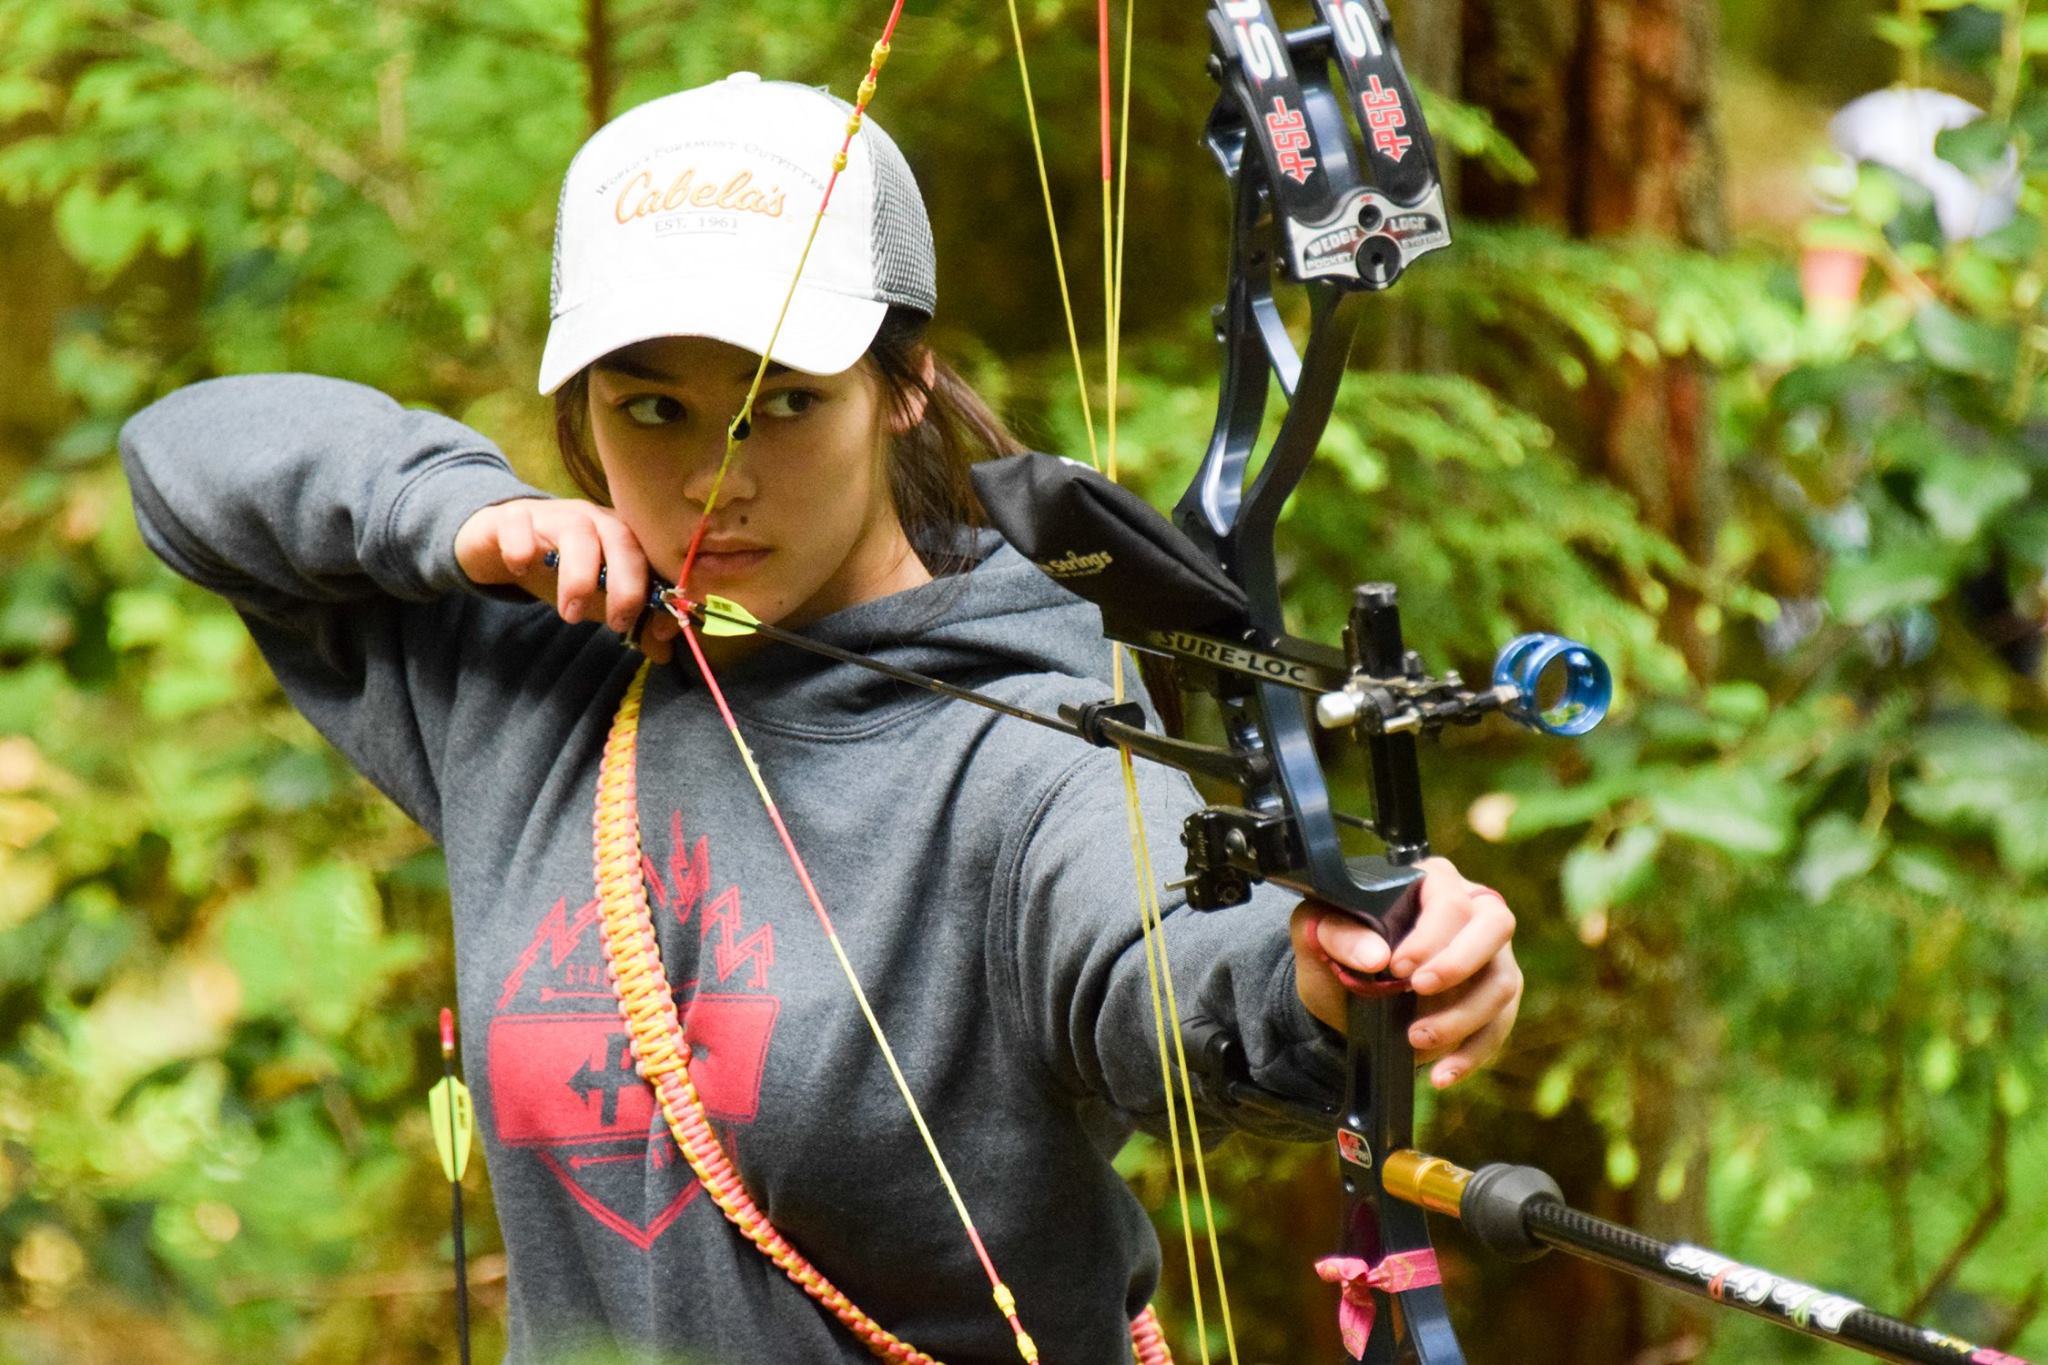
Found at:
(600, 578)
(551, 559)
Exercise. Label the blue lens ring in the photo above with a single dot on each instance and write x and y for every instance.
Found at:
(1588, 686)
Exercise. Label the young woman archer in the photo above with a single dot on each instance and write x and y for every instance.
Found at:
(457, 634)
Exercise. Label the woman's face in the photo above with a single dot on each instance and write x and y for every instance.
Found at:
(803, 525)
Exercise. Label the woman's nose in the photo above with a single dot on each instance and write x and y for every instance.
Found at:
(705, 460)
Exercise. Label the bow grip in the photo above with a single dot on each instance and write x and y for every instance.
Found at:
(1387, 899)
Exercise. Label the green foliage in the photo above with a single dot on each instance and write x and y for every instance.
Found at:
(1789, 903)
(1853, 801)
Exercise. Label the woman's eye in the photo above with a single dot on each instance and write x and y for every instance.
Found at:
(789, 402)
(652, 410)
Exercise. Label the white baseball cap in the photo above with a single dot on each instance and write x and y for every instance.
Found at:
(687, 215)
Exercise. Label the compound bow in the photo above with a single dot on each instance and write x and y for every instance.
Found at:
(1336, 193)
(1339, 215)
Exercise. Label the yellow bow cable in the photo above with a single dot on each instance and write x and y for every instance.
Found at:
(1176, 1083)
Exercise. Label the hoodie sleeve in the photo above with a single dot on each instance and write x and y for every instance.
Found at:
(1079, 980)
(326, 514)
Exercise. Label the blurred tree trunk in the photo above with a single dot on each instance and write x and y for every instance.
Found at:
(1612, 100)
(42, 284)
(599, 77)
(1403, 336)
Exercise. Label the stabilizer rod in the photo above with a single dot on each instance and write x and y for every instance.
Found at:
(1519, 1212)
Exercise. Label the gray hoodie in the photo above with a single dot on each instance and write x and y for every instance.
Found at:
(976, 867)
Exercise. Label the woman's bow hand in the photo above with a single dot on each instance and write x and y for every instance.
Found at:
(1459, 959)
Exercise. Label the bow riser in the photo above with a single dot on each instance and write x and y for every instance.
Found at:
(1337, 216)
(1306, 194)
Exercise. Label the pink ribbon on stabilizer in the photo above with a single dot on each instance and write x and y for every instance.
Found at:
(1396, 1274)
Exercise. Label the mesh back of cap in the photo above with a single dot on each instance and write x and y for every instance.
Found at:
(906, 268)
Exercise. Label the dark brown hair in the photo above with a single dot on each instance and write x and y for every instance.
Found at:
(928, 462)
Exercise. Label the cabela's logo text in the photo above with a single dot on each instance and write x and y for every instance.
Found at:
(640, 198)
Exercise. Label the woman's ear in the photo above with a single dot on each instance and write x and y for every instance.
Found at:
(910, 406)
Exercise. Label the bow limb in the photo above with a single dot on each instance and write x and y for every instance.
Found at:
(1305, 213)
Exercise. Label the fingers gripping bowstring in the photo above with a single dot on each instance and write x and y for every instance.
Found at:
(1173, 1067)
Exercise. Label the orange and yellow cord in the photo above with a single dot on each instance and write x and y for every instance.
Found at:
(654, 1029)
(661, 1052)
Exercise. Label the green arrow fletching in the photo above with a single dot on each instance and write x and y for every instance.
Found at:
(723, 616)
(454, 1125)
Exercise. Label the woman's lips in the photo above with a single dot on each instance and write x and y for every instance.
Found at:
(725, 566)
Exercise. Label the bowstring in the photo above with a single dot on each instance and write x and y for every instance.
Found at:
(1059, 263)
(1173, 1064)
(1149, 880)
(736, 432)
(743, 420)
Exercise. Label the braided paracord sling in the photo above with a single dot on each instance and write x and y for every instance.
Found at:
(654, 1031)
